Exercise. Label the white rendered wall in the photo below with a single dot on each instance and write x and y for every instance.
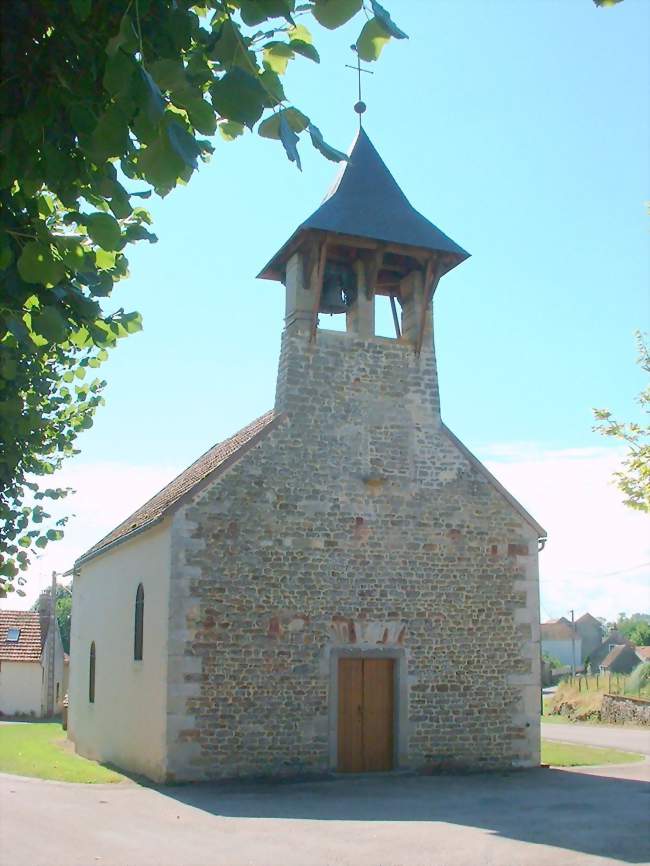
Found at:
(562, 650)
(20, 688)
(126, 725)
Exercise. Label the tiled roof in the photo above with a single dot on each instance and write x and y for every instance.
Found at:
(29, 645)
(365, 201)
(587, 618)
(614, 654)
(643, 652)
(216, 458)
(558, 629)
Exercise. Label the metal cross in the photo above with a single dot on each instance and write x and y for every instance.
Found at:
(360, 106)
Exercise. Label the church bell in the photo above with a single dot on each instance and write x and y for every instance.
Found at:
(339, 288)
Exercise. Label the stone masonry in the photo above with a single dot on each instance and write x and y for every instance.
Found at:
(357, 524)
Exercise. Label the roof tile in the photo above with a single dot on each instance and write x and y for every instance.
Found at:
(29, 645)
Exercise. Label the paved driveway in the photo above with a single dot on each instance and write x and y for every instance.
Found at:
(530, 818)
(610, 736)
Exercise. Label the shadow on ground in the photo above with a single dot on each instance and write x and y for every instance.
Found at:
(592, 814)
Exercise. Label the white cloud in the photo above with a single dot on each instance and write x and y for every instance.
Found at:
(598, 553)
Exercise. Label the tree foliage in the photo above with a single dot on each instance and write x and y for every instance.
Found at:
(103, 102)
(635, 628)
(63, 611)
(634, 477)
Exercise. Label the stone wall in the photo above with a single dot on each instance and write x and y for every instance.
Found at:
(355, 526)
(617, 709)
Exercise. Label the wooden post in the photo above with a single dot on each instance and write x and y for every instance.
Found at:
(432, 276)
(320, 273)
(393, 309)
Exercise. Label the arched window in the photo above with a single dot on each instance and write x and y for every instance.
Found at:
(91, 674)
(139, 623)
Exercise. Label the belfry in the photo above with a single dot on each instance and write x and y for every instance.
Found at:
(341, 586)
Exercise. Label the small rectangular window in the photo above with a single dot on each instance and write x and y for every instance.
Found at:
(57, 693)
(13, 634)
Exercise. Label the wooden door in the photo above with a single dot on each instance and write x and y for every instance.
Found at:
(365, 715)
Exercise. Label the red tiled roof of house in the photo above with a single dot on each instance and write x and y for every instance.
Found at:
(29, 645)
(643, 653)
(217, 457)
(557, 629)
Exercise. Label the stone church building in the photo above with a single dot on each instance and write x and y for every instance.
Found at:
(340, 586)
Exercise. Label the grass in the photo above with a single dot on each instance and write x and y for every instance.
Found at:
(41, 750)
(570, 755)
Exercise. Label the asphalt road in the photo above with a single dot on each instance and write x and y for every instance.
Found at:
(610, 736)
(526, 818)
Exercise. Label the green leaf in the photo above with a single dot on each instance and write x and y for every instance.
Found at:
(273, 90)
(104, 230)
(111, 135)
(125, 38)
(305, 49)
(81, 8)
(118, 72)
(72, 253)
(38, 265)
(270, 128)
(49, 323)
(54, 534)
(321, 145)
(371, 40)
(239, 96)
(255, 11)
(202, 117)
(160, 164)
(104, 260)
(289, 140)
(276, 56)
(334, 13)
(230, 129)
(302, 33)
(182, 143)
(231, 48)
(6, 253)
(169, 74)
(154, 101)
(386, 21)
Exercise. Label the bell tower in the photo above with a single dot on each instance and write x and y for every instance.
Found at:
(364, 240)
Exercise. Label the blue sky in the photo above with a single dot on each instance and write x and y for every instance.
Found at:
(521, 130)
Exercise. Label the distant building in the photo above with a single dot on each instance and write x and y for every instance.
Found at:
(25, 647)
(558, 638)
(613, 639)
(591, 634)
(622, 659)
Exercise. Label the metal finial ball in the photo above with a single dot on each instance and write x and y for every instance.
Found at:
(360, 107)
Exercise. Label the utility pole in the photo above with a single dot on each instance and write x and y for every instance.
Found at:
(573, 644)
(51, 647)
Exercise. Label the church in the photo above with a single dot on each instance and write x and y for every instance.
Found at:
(341, 586)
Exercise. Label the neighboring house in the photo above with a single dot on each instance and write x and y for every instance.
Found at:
(339, 586)
(590, 631)
(643, 653)
(26, 645)
(622, 659)
(613, 639)
(561, 641)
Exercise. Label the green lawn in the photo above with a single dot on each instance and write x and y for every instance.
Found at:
(571, 755)
(40, 749)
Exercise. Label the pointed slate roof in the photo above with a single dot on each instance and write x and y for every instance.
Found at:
(365, 201)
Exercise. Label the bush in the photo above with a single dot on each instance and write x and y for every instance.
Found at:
(639, 679)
